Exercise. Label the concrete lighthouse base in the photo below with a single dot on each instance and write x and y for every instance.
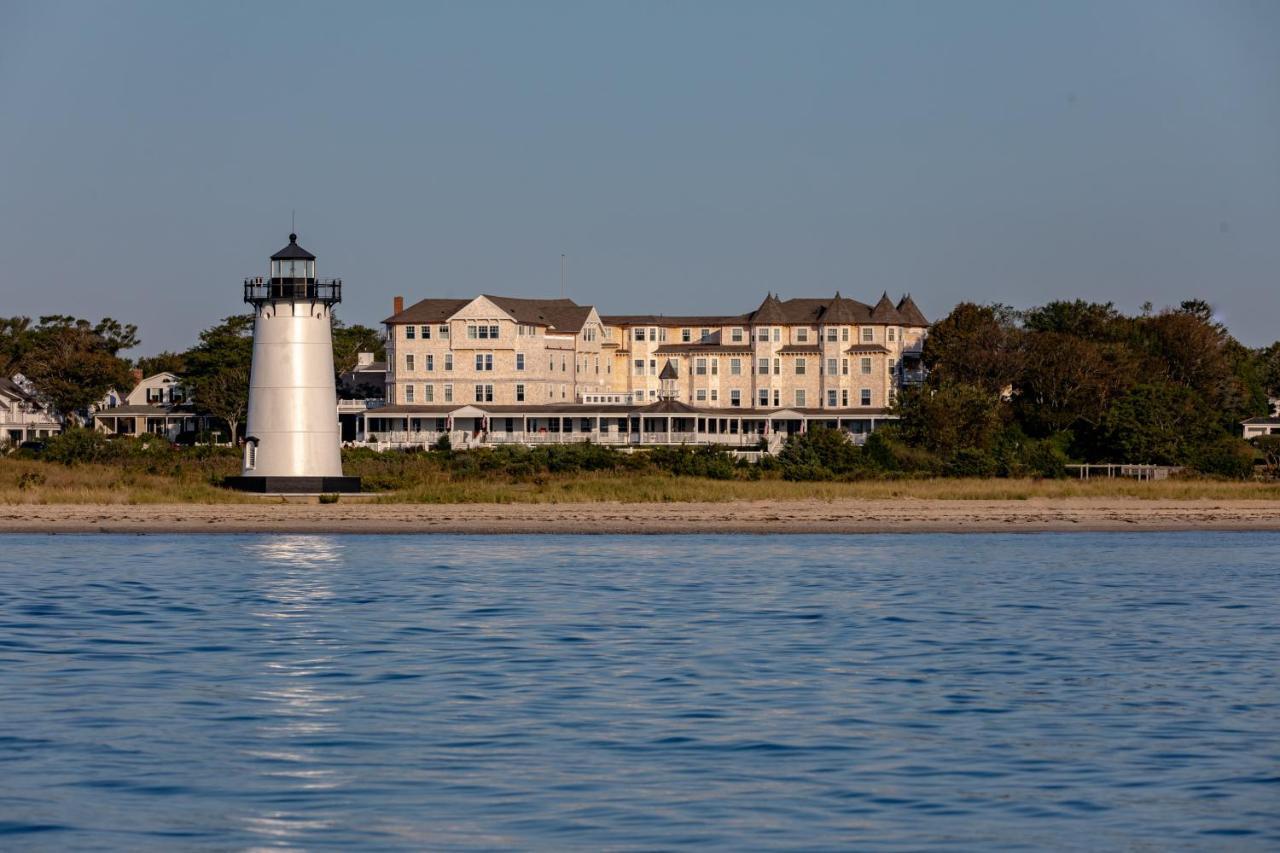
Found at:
(294, 485)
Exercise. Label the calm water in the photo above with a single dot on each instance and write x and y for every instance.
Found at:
(971, 692)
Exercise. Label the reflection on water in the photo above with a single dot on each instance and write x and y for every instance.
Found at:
(298, 702)
(267, 692)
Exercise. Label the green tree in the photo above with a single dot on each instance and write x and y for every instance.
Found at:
(1158, 423)
(15, 340)
(978, 345)
(950, 417)
(72, 365)
(218, 370)
(1067, 381)
(350, 341)
(163, 362)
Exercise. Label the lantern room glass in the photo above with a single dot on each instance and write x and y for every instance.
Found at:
(293, 269)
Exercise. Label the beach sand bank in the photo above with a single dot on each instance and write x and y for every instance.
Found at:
(840, 516)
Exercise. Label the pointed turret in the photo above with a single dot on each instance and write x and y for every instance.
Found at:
(884, 312)
(770, 312)
(911, 315)
(840, 312)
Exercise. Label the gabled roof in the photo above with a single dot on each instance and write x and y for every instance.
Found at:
(911, 315)
(12, 389)
(561, 315)
(429, 311)
(669, 371)
(293, 252)
(668, 407)
(884, 312)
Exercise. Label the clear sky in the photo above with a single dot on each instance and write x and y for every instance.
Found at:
(688, 156)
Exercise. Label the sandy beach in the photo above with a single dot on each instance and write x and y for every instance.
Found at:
(847, 516)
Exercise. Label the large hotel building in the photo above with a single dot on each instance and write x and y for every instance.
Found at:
(497, 369)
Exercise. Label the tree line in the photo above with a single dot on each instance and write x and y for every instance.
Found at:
(1083, 381)
(72, 363)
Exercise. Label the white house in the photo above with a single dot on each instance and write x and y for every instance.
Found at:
(158, 404)
(22, 416)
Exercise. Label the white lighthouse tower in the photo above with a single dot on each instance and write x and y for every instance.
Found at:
(292, 442)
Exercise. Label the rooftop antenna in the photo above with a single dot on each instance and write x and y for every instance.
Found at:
(293, 221)
(564, 273)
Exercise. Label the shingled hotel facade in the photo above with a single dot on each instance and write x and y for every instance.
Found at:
(496, 369)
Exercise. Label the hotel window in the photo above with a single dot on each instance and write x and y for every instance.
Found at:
(777, 367)
(764, 396)
(831, 334)
(519, 361)
(700, 366)
(831, 367)
(715, 367)
(802, 336)
(762, 335)
(662, 334)
(706, 333)
(408, 393)
(653, 333)
(426, 333)
(715, 394)
(653, 367)
(408, 362)
(431, 362)
(866, 396)
(800, 366)
(444, 332)
(893, 366)
(562, 392)
(764, 367)
(735, 367)
(686, 335)
(472, 332)
(448, 361)
(844, 397)
(448, 393)
(893, 334)
(639, 367)
(735, 398)
(844, 367)
(868, 335)
(409, 332)
(702, 395)
(777, 335)
(736, 336)
(831, 398)
(519, 393)
(777, 397)
(484, 393)
(428, 393)
(638, 334)
(562, 363)
(800, 397)
(597, 364)
(866, 366)
(484, 361)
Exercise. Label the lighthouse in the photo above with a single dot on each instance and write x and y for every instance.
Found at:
(292, 441)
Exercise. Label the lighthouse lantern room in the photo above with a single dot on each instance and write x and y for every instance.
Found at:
(292, 440)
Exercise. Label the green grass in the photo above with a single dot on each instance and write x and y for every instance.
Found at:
(418, 480)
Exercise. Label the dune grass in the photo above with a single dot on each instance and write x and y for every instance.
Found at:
(37, 482)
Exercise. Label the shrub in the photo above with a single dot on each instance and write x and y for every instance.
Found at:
(30, 480)
(329, 499)
(1229, 457)
(443, 444)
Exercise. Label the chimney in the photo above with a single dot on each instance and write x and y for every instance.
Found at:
(398, 303)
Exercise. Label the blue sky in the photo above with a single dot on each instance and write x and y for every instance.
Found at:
(687, 156)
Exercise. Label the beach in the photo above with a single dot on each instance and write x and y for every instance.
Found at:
(745, 517)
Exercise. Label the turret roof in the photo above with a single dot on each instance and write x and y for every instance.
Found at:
(293, 252)
(884, 312)
(911, 315)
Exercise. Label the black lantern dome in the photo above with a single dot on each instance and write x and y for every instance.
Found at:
(293, 276)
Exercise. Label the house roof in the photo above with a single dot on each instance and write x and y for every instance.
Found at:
(669, 371)
(13, 389)
(560, 315)
(673, 321)
(867, 348)
(428, 311)
(293, 252)
(770, 311)
(661, 407)
(800, 349)
(841, 311)
(911, 315)
(884, 312)
(1268, 421)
